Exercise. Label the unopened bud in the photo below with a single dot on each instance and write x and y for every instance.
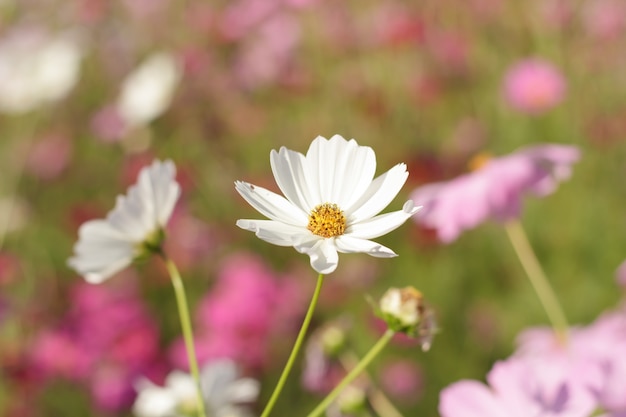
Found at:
(405, 312)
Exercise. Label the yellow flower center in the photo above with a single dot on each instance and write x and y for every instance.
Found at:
(327, 220)
(479, 161)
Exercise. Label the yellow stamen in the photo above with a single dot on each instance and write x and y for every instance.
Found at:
(479, 161)
(327, 220)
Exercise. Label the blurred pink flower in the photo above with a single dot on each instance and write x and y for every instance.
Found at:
(105, 341)
(604, 19)
(547, 386)
(495, 190)
(264, 57)
(108, 125)
(242, 316)
(620, 275)
(403, 381)
(599, 347)
(533, 86)
(49, 156)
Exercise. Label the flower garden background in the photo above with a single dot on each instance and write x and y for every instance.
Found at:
(93, 91)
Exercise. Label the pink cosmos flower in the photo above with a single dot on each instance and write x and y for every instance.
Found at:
(604, 19)
(243, 314)
(403, 380)
(522, 386)
(599, 348)
(533, 86)
(49, 156)
(106, 341)
(493, 191)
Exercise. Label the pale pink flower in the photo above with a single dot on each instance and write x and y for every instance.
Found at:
(598, 347)
(403, 380)
(533, 86)
(495, 190)
(544, 386)
(49, 156)
(604, 19)
(264, 57)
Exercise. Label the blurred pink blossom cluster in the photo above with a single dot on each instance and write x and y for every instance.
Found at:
(106, 341)
(493, 191)
(534, 86)
(551, 377)
(248, 310)
(267, 35)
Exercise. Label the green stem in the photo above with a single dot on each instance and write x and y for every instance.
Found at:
(379, 401)
(537, 278)
(295, 349)
(374, 351)
(185, 322)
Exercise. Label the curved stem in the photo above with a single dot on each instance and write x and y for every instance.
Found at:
(374, 351)
(537, 278)
(185, 322)
(379, 401)
(295, 349)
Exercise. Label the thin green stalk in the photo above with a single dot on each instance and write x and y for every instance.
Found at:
(185, 322)
(374, 351)
(295, 349)
(379, 401)
(537, 278)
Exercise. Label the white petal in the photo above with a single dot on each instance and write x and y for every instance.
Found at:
(148, 91)
(383, 224)
(292, 176)
(322, 252)
(165, 191)
(378, 195)
(272, 205)
(274, 232)
(154, 401)
(133, 214)
(243, 390)
(349, 244)
(343, 168)
(101, 251)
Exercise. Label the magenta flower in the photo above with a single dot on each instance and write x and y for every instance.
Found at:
(248, 308)
(533, 86)
(493, 191)
(105, 342)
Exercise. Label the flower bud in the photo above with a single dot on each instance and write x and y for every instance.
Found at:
(404, 311)
(402, 306)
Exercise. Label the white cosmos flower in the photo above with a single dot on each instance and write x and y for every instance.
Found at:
(332, 202)
(135, 225)
(223, 392)
(36, 68)
(147, 92)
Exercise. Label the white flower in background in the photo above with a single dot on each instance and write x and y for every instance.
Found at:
(133, 228)
(331, 203)
(222, 389)
(147, 92)
(36, 68)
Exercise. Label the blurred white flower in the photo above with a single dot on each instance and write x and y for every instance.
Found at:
(134, 227)
(36, 68)
(331, 203)
(147, 92)
(222, 389)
